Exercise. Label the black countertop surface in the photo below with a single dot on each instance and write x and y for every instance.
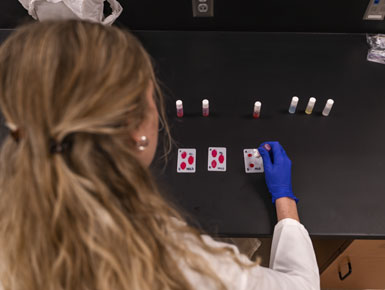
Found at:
(338, 161)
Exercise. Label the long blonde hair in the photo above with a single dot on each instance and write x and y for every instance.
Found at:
(90, 217)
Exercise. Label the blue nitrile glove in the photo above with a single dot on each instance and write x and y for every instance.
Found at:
(277, 171)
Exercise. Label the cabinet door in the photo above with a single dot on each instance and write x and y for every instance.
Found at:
(360, 266)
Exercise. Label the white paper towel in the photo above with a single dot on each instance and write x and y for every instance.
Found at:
(91, 10)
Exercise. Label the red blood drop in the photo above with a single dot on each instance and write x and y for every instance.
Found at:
(221, 159)
(213, 163)
(183, 165)
(249, 154)
(251, 165)
(191, 160)
(184, 154)
(214, 153)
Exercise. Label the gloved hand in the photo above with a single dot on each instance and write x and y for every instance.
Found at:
(277, 171)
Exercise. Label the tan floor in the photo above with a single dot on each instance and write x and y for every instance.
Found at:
(264, 251)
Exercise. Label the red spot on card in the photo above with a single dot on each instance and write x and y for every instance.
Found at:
(184, 154)
(251, 165)
(213, 164)
(249, 155)
(190, 160)
(214, 153)
(183, 165)
(221, 159)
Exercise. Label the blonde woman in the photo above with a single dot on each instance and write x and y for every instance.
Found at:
(78, 206)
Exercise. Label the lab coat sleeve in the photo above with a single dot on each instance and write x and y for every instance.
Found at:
(293, 263)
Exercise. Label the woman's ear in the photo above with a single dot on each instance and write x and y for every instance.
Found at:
(146, 135)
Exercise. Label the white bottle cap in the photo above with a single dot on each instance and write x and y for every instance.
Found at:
(179, 104)
(294, 101)
(257, 106)
(328, 107)
(311, 101)
(205, 103)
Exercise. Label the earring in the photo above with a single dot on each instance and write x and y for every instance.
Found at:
(142, 143)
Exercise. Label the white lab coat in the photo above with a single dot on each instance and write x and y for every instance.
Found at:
(293, 264)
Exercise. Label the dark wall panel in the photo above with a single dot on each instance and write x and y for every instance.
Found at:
(248, 15)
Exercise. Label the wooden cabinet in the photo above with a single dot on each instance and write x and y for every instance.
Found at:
(360, 266)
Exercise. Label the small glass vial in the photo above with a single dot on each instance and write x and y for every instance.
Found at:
(179, 108)
(267, 147)
(205, 108)
(328, 107)
(293, 105)
(257, 110)
(310, 106)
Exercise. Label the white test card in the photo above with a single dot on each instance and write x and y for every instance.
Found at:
(186, 160)
(253, 161)
(217, 159)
